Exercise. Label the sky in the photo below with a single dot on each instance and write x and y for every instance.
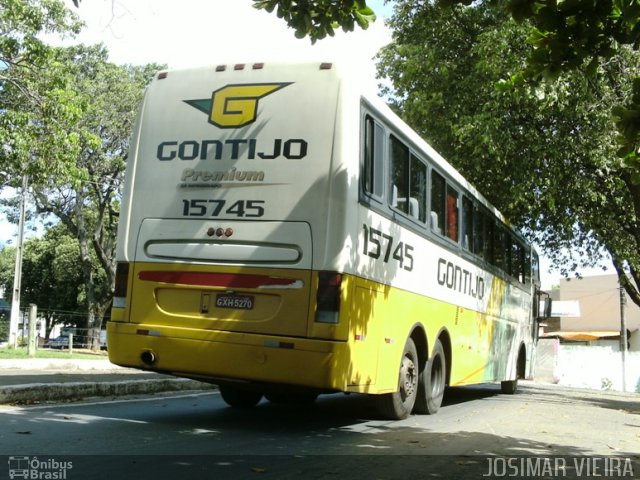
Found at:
(199, 32)
(183, 33)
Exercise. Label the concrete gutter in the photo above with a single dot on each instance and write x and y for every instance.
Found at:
(103, 365)
(40, 380)
(52, 392)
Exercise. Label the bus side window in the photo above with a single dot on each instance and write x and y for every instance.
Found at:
(506, 248)
(535, 268)
(499, 257)
(444, 208)
(468, 242)
(373, 176)
(488, 225)
(399, 175)
(418, 190)
(478, 233)
(438, 212)
(517, 260)
(452, 214)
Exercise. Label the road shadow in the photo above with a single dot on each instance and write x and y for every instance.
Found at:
(353, 467)
(328, 411)
(627, 402)
(340, 436)
(350, 424)
(457, 395)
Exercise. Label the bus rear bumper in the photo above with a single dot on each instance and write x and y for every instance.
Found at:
(216, 355)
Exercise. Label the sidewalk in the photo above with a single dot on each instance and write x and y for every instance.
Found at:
(40, 380)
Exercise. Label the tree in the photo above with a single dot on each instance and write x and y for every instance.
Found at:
(87, 203)
(31, 110)
(568, 52)
(21, 24)
(320, 18)
(544, 153)
(50, 265)
(65, 120)
(576, 35)
(566, 34)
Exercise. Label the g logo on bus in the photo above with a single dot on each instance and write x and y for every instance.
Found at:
(235, 106)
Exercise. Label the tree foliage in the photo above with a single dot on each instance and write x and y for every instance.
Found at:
(543, 153)
(34, 106)
(575, 35)
(569, 80)
(317, 19)
(65, 119)
(50, 264)
(87, 203)
(565, 36)
(22, 23)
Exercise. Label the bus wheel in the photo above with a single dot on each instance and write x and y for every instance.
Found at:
(432, 382)
(239, 397)
(398, 405)
(509, 386)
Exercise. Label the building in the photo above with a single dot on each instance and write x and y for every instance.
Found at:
(595, 316)
(580, 345)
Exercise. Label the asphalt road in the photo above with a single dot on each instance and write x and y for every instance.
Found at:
(198, 436)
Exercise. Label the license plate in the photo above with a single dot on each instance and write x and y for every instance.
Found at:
(238, 302)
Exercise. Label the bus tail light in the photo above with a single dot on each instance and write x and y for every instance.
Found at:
(122, 283)
(328, 297)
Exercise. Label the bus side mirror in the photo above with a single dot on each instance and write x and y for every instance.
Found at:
(548, 304)
(544, 306)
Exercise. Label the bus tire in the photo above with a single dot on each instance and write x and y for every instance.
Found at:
(432, 384)
(509, 386)
(398, 405)
(239, 397)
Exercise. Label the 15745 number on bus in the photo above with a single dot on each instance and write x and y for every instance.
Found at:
(215, 208)
(381, 245)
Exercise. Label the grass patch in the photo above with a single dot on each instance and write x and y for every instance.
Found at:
(7, 353)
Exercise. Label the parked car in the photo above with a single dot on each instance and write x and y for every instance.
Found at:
(58, 342)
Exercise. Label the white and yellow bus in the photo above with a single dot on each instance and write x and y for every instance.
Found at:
(283, 234)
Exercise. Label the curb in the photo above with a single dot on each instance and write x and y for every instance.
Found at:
(58, 364)
(46, 392)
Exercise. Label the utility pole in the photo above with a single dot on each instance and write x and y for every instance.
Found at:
(17, 277)
(623, 338)
(32, 342)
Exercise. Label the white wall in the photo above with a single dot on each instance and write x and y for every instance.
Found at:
(594, 367)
